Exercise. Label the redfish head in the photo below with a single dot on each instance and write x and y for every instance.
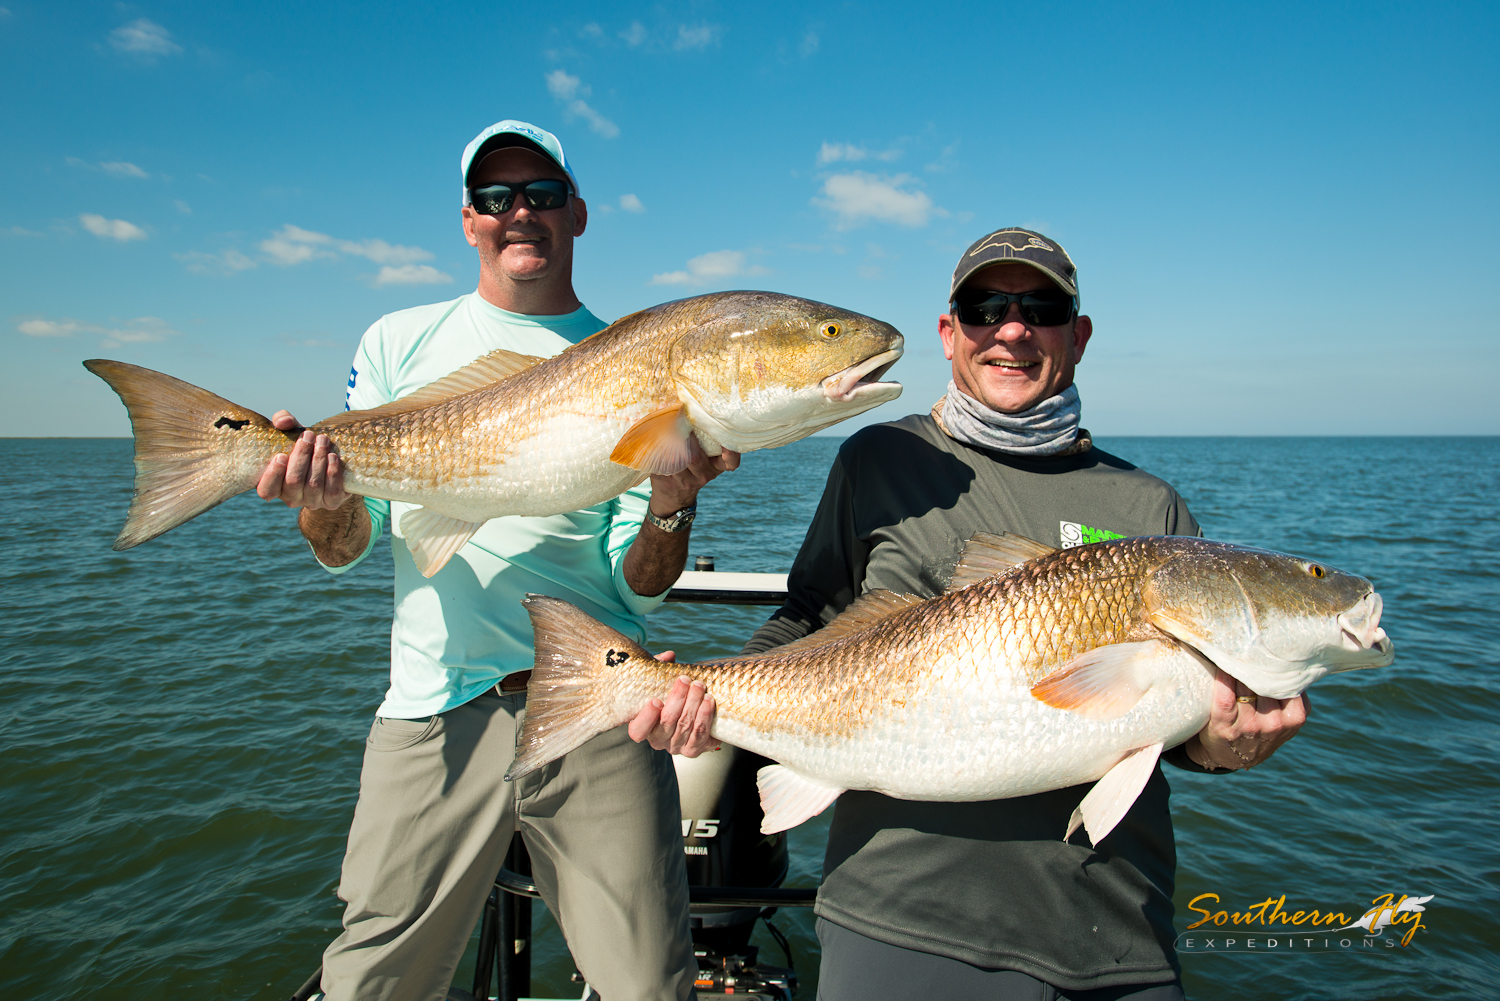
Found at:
(1277, 623)
(763, 369)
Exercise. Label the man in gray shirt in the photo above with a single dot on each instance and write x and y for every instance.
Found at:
(981, 900)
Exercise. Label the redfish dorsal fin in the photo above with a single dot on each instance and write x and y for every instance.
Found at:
(660, 443)
(986, 555)
(488, 370)
(867, 610)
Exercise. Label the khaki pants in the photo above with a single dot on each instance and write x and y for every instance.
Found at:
(431, 829)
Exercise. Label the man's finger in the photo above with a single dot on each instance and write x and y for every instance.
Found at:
(283, 421)
(689, 715)
(671, 709)
(317, 472)
(333, 493)
(272, 479)
(645, 721)
(297, 463)
(1297, 709)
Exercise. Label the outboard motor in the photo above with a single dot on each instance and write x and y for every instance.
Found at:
(724, 847)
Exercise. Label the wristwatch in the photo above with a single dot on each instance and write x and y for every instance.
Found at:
(677, 521)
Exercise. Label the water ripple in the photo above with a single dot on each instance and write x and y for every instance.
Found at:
(184, 721)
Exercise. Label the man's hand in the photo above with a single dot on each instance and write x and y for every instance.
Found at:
(1242, 734)
(670, 494)
(655, 559)
(310, 476)
(680, 724)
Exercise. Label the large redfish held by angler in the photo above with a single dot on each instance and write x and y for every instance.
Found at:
(1038, 669)
(515, 434)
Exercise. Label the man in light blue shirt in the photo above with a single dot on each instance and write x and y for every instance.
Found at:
(435, 817)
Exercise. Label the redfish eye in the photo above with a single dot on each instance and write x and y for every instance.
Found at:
(1316, 570)
(830, 329)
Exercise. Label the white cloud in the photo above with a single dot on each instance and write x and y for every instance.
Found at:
(111, 229)
(48, 328)
(143, 39)
(295, 245)
(700, 37)
(227, 263)
(291, 245)
(833, 152)
(384, 253)
(141, 330)
(571, 91)
(183, 207)
(630, 203)
(634, 35)
(709, 268)
(411, 274)
(120, 168)
(858, 197)
(563, 86)
(809, 44)
(591, 30)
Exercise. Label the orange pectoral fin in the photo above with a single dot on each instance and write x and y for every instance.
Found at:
(661, 443)
(1103, 683)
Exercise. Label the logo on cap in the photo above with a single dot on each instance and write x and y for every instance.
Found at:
(996, 242)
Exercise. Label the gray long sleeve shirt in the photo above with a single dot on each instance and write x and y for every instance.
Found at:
(990, 883)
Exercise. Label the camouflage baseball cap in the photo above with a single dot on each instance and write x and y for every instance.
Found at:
(1016, 244)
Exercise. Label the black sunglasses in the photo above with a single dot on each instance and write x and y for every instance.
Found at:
(540, 195)
(1043, 308)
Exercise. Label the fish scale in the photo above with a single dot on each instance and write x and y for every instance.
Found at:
(1057, 669)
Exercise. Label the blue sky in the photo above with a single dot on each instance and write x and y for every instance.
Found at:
(1284, 217)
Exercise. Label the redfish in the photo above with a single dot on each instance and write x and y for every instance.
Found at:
(515, 434)
(1038, 669)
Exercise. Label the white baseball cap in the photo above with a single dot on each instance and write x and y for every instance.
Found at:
(513, 133)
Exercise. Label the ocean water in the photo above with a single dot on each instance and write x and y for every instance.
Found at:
(183, 726)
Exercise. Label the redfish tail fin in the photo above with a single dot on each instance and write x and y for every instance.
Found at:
(580, 683)
(193, 450)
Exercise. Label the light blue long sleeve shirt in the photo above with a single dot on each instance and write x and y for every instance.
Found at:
(459, 632)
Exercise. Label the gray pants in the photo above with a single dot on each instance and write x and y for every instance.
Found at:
(858, 968)
(431, 829)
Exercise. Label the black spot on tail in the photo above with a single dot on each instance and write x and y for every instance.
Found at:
(232, 425)
(616, 657)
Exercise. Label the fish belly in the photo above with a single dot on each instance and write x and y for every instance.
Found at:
(562, 465)
(967, 746)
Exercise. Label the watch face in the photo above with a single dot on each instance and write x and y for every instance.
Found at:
(674, 522)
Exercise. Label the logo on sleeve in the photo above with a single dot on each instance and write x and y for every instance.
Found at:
(353, 374)
(1076, 533)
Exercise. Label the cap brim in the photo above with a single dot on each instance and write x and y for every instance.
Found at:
(508, 140)
(1062, 283)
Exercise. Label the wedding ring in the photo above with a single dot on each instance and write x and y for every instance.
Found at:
(1246, 699)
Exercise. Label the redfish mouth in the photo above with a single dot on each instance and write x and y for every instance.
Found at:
(863, 379)
(1362, 634)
